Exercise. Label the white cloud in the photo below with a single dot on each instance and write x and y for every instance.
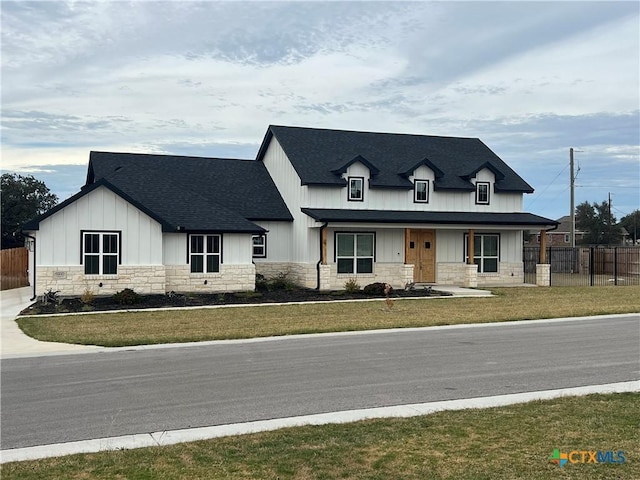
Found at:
(529, 78)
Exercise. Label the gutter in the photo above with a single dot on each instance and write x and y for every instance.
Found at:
(320, 261)
(35, 270)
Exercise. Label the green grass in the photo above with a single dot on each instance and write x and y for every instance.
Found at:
(512, 442)
(138, 328)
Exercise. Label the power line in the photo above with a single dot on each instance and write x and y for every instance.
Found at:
(547, 187)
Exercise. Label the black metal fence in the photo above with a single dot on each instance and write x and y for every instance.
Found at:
(586, 265)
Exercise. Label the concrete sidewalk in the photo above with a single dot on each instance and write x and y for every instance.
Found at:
(13, 342)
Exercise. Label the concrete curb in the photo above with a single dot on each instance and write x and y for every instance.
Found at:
(303, 336)
(172, 437)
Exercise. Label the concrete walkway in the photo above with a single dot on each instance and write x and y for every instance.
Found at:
(13, 342)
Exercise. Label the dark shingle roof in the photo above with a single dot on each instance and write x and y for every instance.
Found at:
(191, 193)
(316, 153)
(422, 217)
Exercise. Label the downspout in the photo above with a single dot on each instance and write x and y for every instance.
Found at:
(34, 266)
(320, 261)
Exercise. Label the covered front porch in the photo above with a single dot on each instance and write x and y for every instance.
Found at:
(400, 249)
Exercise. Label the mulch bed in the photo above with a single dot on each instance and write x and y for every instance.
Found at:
(75, 304)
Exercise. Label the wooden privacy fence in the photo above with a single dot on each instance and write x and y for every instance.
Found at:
(14, 263)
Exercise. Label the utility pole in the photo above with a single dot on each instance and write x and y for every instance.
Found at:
(573, 201)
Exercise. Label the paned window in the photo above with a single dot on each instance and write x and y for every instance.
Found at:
(100, 252)
(259, 246)
(354, 252)
(421, 191)
(356, 185)
(482, 193)
(486, 248)
(204, 253)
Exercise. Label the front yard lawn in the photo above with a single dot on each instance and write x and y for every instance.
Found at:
(138, 328)
(514, 442)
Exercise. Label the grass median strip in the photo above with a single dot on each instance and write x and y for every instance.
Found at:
(172, 326)
(511, 442)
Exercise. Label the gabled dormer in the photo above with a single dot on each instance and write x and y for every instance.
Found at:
(344, 166)
(489, 166)
(409, 172)
(484, 183)
(352, 173)
(423, 176)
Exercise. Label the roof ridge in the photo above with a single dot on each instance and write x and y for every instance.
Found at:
(167, 155)
(371, 132)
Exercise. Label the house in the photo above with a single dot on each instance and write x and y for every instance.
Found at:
(323, 205)
(560, 237)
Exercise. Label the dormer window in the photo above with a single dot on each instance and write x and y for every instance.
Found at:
(421, 191)
(356, 185)
(482, 193)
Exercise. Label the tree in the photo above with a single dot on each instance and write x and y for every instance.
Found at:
(631, 224)
(22, 199)
(598, 223)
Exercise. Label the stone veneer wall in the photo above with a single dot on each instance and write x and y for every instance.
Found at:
(454, 274)
(306, 274)
(396, 274)
(303, 274)
(232, 278)
(71, 280)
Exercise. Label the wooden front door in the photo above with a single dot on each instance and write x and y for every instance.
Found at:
(421, 252)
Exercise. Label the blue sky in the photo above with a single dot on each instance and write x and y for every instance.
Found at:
(531, 79)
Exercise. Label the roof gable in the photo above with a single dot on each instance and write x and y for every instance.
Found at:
(489, 166)
(424, 162)
(34, 224)
(342, 168)
(314, 154)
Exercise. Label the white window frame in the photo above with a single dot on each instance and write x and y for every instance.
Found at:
(479, 200)
(259, 250)
(101, 255)
(480, 260)
(352, 190)
(416, 191)
(355, 257)
(207, 252)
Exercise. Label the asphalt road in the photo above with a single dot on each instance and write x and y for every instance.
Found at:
(76, 397)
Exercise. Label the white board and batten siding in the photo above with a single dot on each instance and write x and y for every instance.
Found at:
(59, 237)
(392, 199)
(236, 248)
(303, 243)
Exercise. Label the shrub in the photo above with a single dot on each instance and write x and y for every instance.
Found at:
(351, 286)
(280, 282)
(261, 282)
(127, 297)
(50, 296)
(376, 289)
(87, 297)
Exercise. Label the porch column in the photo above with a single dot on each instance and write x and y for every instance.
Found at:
(543, 269)
(407, 233)
(470, 269)
(323, 243)
(543, 246)
(470, 247)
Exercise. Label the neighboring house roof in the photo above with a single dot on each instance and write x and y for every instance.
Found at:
(190, 193)
(422, 217)
(317, 155)
(564, 226)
